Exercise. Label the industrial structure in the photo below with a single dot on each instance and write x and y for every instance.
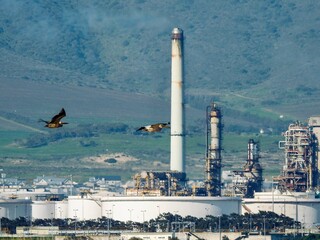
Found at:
(177, 144)
(159, 183)
(156, 192)
(168, 191)
(302, 207)
(249, 180)
(144, 208)
(173, 181)
(294, 192)
(314, 126)
(300, 169)
(213, 151)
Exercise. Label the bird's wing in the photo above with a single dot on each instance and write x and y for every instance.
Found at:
(58, 117)
(141, 128)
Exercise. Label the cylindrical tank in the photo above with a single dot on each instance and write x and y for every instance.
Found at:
(302, 208)
(84, 207)
(43, 210)
(61, 209)
(141, 209)
(15, 208)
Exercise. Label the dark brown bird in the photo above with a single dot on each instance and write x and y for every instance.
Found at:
(154, 127)
(56, 120)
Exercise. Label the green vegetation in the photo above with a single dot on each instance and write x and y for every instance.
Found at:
(66, 155)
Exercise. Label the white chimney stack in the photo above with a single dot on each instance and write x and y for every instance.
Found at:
(177, 123)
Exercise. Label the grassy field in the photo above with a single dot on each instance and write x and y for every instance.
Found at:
(66, 157)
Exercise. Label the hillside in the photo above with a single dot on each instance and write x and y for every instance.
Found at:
(244, 54)
(109, 62)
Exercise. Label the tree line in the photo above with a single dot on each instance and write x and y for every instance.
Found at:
(269, 221)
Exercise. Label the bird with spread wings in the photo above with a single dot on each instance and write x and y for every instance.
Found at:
(157, 127)
(55, 122)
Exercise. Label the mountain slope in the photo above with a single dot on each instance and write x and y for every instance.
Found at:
(39, 99)
(267, 51)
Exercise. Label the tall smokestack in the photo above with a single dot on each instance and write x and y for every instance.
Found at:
(177, 103)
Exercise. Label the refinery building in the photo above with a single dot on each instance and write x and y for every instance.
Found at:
(293, 192)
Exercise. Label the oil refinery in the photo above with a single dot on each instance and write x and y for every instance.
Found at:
(156, 192)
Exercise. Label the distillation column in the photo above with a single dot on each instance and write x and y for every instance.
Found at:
(252, 169)
(314, 125)
(177, 149)
(213, 154)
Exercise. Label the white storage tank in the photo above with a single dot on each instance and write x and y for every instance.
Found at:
(84, 207)
(302, 207)
(61, 209)
(15, 208)
(43, 210)
(140, 209)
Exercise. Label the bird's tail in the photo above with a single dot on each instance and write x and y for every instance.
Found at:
(41, 120)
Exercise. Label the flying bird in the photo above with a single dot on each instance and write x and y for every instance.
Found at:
(154, 127)
(56, 120)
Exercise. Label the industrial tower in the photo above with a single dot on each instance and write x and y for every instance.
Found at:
(177, 124)
(213, 153)
(173, 182)
(300, 170)
(249, 180)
